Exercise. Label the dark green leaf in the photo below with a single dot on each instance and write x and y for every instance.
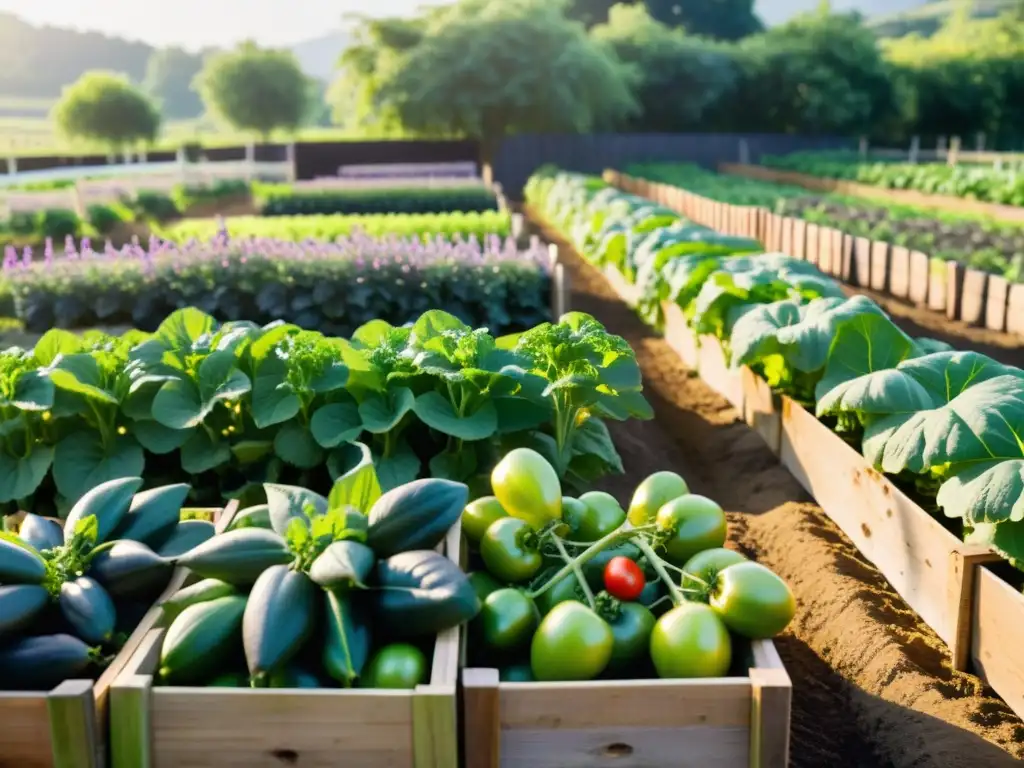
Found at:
(19, 477)
(294, 444)
(81, 462)
(437, 412)
(201, 453)
(336, 423)
(381, 412)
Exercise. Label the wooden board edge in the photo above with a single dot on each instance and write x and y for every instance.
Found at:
(964, 563)
(76, 740)
(481, 718)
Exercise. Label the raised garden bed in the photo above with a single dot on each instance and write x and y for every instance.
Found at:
(67, 727)
(722, 722)
(174, 726)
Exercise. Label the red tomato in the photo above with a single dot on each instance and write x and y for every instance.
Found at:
(623, 578)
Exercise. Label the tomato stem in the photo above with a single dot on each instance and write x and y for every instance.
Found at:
(659, 568)
(576, 570)
(619, 534)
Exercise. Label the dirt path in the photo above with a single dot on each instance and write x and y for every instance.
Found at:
(872, 687)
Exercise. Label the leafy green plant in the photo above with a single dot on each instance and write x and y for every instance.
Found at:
(283, 200)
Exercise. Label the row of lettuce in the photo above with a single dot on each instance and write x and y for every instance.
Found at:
(333, 273)
(945, 424)
(973, 240)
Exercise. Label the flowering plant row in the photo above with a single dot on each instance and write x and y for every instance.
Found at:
(332, 286)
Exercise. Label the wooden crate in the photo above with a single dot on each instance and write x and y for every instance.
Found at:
(714, 723)
(924, 563)
(169, 727)
(67, 727)
(762, 409)
(626, 291)
(715, 370)
(679, 336)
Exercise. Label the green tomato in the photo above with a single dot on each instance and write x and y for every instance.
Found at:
(398, 665)
(516, 673)
(567, 588)
(597, 515)
(693, 523)
(483, 584)
(691, 641)
(752, 600)
(631, 635)
(653, 591)
(291, 676)
(653, 493)
(508, 619)
(527, 487)
(571, 643)
(509, 550)
(478, 516)
(706, 566)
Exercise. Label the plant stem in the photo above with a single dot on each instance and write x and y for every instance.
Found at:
(613, 538)
(578, 571)
(659, 568)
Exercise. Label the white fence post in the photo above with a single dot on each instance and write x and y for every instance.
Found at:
(290, 158)
(979, 142)
(940, 148)
(250, 160)
(862, 148)
(954, 150)
(12, 166)
(744, 152)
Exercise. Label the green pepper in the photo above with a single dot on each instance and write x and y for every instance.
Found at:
(509, 550)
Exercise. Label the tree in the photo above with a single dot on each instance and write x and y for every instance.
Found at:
(255, 89)
(681, 76)
(106, 107)
(170, 74)
(590, 13)
(720, 19)
(487, 70)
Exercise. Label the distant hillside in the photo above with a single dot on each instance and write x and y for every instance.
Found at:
(926, 19)
(779, 11)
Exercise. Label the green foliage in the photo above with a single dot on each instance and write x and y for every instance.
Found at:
(105, 107)
(106, 218)
(153, 206)
(255, 90)
(668, 60)
(170, 77)
(330, 227)
(59, 223)
(186, 196)
(236, 405)
(729, 20)
(471, 74)
(284, 200)
(971, 239)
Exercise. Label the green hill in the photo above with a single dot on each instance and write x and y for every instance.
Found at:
(926, 19)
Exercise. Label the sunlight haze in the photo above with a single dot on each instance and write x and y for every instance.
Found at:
(199, 23)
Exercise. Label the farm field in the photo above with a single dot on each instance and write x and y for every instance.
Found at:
(316, 398)
(973, 240)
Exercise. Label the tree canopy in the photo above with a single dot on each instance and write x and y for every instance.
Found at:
(255, 89)
(105, 107)
(719, 19)
(170, 75)
(487, 70)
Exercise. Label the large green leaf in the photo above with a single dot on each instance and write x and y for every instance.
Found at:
(592, 438)
(437, 412)
(863, 345)
(1005, 538)
(458, 465)
(435, 323)
(380, 412)
(294, 444)
(81, 374)
(81, 461)
(273, 401)
(219, 378)
(987, 492)
(20, 476)
(983, 423)
(401, 467)
(336, 423)
(201, 452)
(33, 391)
(183, 404)
(183, 328)
(54, 344)
(356, 484)
(156, 438)
(178, 405)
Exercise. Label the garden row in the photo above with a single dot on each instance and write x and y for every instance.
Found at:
(985, 183)
(912, 448)
(325, 613)
(963, 293)
(975, 241)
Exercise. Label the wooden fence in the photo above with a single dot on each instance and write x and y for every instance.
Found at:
(972, 296)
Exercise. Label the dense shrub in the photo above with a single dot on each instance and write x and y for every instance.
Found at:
(154, 206)
(282, 200)
(105, 218)
(187, 195)
(333, 287)
(58, 223)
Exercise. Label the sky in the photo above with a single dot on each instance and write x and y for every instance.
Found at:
(198, 23)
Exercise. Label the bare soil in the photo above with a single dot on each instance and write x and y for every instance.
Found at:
(872, 685)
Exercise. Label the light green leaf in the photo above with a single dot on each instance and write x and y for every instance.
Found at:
(33, 391)
(19, 477)
(184, 327)
(273, 401)
(56, 343)
(87, 529)
(178, 405)
(288, 502)
(435, 323)
(356, 484)
(987, 492)
(220, 379)
(863, 344)
(81, 374)
(294, 444)
(437, 412)
(381, 412)
(336, 423)
(81, 462)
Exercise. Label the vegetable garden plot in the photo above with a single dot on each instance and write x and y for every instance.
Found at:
(59, 716)
(848, 358)
(283, 200)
